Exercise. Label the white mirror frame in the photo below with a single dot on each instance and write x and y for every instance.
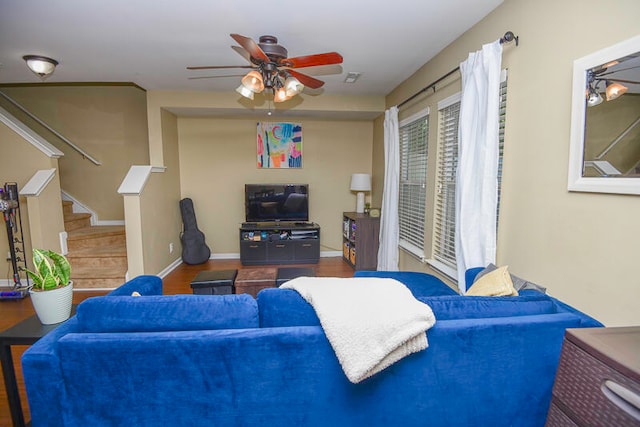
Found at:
(578, 113)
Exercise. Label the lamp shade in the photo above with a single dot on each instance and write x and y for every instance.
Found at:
(253, 81)
(594, 99)
(360, 182)
(293, 86)
(244, 91)
(614, 90)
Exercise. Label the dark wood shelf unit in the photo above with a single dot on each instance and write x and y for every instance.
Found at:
(360, 237)
(264, 243)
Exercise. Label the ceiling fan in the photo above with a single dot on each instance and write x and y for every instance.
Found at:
(273, 69)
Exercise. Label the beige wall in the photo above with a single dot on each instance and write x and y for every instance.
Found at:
(20, 161)
(108, 122)
(581, 246)
(153, 220)
(218, 156)
(377, 162)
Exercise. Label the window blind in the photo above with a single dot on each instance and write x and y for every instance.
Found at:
(444, 249)
(413, 176)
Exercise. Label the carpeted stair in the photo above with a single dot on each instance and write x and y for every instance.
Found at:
(97, 254)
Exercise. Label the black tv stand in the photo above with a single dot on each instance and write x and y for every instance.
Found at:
(264, 243)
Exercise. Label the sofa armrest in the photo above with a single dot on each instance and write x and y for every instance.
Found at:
(586, 321)
(43, 378)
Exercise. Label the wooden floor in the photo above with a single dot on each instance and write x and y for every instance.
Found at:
(177, 282)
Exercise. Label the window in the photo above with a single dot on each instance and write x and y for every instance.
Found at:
(414, 133)
(444, 254)
(444, 232)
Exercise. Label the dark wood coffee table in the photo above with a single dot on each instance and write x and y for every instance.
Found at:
(25, 332)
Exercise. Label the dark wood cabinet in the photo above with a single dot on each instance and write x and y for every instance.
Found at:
(360, 234)
(598, 379)
(273, 243)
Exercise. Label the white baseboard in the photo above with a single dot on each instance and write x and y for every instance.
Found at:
(169, 268)
(109, 222)
(330, 254)
(225, 256)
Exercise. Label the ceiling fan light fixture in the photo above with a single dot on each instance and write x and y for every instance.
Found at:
(244, 91)
(41, 66)
(593, 98)
(253, 81)
(293, 86)
(614, 90)
(280, 95)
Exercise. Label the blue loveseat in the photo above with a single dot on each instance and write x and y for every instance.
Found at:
(200, 360)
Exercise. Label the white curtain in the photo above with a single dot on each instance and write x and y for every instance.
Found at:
(477, 176)
(389, 228)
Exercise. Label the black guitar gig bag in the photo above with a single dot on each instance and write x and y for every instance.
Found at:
(194, 248)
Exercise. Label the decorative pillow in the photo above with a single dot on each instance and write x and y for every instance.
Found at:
(518, 283)
(495, 283)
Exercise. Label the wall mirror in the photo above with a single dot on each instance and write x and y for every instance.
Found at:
(605, 121)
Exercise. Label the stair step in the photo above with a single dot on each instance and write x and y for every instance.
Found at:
(97, 283)
(75, 221)
(97, 254)
(105, 272)
(67, 207)
(112, 256)
(96, 236)
(97, 277)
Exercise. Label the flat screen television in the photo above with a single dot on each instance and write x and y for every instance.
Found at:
(276, 202)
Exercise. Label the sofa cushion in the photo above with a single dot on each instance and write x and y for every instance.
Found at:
(167, 313)
(462, 307)
(519, 283)
(285, 307)
(495, 283)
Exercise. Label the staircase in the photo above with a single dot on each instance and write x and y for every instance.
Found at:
(97, 254)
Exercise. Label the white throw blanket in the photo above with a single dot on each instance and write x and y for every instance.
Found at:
(371, 323)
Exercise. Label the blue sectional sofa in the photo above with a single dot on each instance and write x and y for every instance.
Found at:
(200, 360)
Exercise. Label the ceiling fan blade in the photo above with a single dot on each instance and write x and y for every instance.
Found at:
(242, 52)
(328, 58)
(307, 80)
(214, 77)
(214, 67)
(250, 46)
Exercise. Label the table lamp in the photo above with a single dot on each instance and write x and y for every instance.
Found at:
(360, 182)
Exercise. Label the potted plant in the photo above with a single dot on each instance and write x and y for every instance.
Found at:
(52, 290)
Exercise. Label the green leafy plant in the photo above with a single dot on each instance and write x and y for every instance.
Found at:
(52, 270)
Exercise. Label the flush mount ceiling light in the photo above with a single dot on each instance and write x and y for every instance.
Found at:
(41, 66)
(273, 69)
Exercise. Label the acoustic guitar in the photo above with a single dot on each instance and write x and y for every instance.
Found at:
(194, 248)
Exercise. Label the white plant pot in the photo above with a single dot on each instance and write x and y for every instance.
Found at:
(53, 306)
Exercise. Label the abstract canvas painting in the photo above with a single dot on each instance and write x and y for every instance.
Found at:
(279, 145)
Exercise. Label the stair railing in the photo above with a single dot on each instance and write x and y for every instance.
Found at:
(83, 153)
